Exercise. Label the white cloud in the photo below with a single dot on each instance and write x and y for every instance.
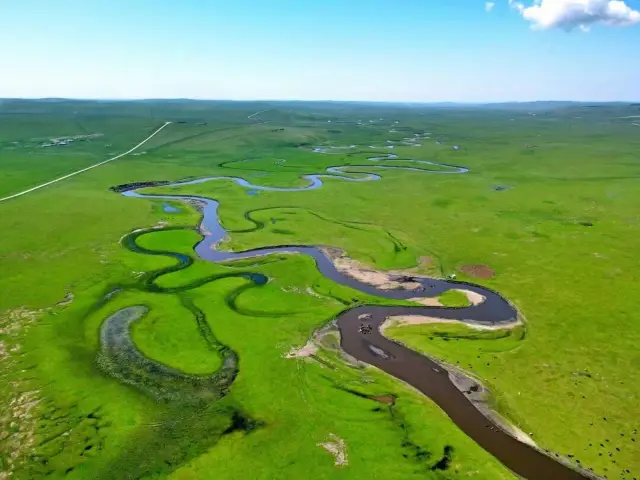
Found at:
(516, 5)
(569, 14)
(488, 6)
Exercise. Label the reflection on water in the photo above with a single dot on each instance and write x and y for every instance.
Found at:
(167, 208)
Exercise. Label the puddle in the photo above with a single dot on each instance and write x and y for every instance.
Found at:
(167, 208)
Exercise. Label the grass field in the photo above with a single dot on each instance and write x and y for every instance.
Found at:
(549, 204)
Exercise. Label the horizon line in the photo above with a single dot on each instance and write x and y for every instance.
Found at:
(406, 102)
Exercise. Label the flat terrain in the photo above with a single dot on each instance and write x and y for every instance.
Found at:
(547, 214)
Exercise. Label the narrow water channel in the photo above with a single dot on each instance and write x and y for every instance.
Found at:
(375, 349)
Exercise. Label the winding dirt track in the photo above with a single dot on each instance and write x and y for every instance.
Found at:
(374, 349)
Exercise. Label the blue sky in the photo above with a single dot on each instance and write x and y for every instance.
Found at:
(379, 50)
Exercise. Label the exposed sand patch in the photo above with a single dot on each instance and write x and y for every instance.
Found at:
(219, 243)
(473, 297)
(313, 344)
(313, 293)
(357, 271)
(338, 448)
(516, 432)
(404, 320)
(307, 350)
(204, 231)
(479, 271)
(428, 301)
(380, 352)
(325, 338)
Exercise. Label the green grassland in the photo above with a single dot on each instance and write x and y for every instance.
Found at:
(454, 298)
(561, 238)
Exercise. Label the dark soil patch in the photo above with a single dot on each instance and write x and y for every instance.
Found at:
(388, 399)
(478, 271)
(427, 262)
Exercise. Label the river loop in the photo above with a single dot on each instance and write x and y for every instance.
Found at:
(373, 348)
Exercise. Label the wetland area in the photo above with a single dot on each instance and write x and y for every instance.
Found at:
(429, 377)
(426, 313)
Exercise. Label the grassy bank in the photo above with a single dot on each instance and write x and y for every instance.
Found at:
(559, 234)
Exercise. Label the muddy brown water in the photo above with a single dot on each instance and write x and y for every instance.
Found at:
(374, 349)
(433, 380)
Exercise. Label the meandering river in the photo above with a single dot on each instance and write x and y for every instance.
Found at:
(397, 360)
